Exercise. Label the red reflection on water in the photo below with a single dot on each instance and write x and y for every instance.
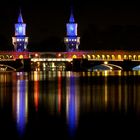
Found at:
(36, 91)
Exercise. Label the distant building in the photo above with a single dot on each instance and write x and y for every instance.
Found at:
(20, 41)
(72, 41)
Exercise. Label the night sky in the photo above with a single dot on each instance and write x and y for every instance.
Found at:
(101, 24)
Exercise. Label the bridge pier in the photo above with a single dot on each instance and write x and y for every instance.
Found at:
(23, 65)
(27, 65)
(80, 64)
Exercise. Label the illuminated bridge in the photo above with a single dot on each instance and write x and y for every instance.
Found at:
(14, 61)
(88, 60)
(79, 60)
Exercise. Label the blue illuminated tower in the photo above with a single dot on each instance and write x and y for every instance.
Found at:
(20, 41)
(72, 41)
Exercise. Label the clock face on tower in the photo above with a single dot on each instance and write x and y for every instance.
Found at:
(20, 29)
(71, 29)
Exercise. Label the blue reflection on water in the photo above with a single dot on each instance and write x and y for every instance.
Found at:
(21, 106)
(72, 110)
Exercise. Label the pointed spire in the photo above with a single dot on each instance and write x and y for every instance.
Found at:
(71, 20)
(20, 19)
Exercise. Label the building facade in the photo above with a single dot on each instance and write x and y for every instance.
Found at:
(72, 41)
(20, 41)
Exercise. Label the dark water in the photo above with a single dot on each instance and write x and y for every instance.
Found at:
(67, 105)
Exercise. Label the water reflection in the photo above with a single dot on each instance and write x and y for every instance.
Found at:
(36, 89)
(112, 91)
(72, 103)
(59, 91)
(68, 97)
(20, 101)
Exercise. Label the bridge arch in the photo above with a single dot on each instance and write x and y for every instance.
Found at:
(106, 66)
(136, 68)
(115, 66)
(6, 67)
(101, 67)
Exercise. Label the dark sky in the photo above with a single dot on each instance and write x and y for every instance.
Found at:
(101, 24)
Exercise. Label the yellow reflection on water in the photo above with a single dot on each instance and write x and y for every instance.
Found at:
(106, 93)
(110, 73)
(59, 91)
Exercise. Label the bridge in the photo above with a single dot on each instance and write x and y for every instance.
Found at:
(79, 60)
(14, 61)
(89, 60)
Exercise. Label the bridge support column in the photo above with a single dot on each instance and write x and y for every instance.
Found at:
(127, 65)
(26, 64)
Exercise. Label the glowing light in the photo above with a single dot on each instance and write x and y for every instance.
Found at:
(106, 62)
(59, 54)
(89, 74)
(36, 55)
(20, 29)
(74, 56)
(26, 39)
(130, 57)
(119, 57)
(71, 29)
(113, 57)
(134, 57)
(103, 56)
(108, 57)
(93, 56)
(21, 57)
(88, 56)
(125, 56)
(84, 56)
(98, 56)
(138, 57)
(105, 73)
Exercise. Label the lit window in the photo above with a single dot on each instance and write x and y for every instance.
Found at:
(119, 57)
(93, 56)
(113, 57)
(88, 56)
(130, 56)
(134, 57)
(103, 56)
(138, 57)
(84, 56)
(108, 57)
(125, 56)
